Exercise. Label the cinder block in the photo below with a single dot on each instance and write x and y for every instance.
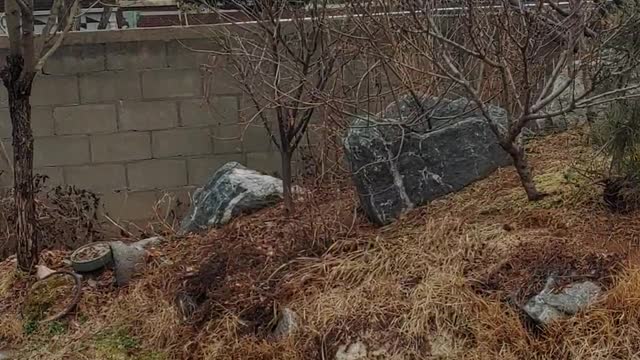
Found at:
(61, 150)
(54, 174)
(173, 204)
(109, 86)
(6, 174)
(169, 83)
(136, 55)
(55, 90)
(74, 59)
(6, 168)
(99, 178)
(219, 110)
(137, 205)
(255, 138)
(200, 169)
(6, 180)
(153, 115)
(4, 97)
(268, 163)
(121, 147)
(248, 112)
(227, 139)
(221, 82)
(85, 119)
(181, 142)
(41, 122)
(6, 154)
(157, 174)
(190, 53)
(5, 124)
(6, 164)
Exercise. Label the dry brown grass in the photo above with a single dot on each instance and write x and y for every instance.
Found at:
(444, 282)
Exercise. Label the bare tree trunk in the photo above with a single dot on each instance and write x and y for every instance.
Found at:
(19, 91)
(26, 227)
(523, 169)
(287, 181)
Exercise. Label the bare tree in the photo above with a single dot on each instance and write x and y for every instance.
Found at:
(284, 62)
(27, 56)
(523, 56)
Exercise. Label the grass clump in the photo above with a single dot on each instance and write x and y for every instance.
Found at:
(46, 297)
(115, 344)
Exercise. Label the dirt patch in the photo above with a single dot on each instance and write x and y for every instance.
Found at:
(246, 271)
(526, 269)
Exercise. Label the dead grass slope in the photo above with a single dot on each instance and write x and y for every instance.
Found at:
(445, 282)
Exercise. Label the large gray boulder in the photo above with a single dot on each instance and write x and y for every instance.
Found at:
(549, 306)
(565, 121)
(232, 190)
(418, 150)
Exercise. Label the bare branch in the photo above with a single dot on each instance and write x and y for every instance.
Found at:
(60, 37)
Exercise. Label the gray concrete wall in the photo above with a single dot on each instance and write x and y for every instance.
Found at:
(124, 113)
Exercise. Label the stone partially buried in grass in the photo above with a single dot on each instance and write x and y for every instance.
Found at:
(128, 260)
(232, 190)
(287, 324)
(549, 306)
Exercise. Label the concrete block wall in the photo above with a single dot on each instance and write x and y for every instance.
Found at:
(125, 116)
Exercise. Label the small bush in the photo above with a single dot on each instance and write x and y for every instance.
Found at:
(67, 217)
(618, 136)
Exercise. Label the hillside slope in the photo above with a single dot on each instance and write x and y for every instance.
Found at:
(444, 282)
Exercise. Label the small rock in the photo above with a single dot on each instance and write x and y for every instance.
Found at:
(287, 324)
(42, 272)
(355, 351)
(547, 306)
(149, 242)
(128, 260)
(186, 305)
